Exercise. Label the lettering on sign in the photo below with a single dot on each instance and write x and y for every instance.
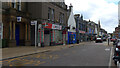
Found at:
(59, 27)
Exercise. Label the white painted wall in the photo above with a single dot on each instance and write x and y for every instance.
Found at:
(71, 21)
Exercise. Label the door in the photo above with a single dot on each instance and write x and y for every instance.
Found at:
(47, 37)
(17, 34)
(33, 35)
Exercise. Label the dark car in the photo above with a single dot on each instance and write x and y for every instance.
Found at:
(98, 40)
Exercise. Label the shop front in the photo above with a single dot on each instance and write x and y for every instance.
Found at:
(72, 37)
(82, 36)
(50, 34)
(65, 36)
(58, 34)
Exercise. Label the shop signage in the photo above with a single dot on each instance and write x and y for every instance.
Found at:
(47, 25)
(59, 27)
(82, 32)
(39, 26)
(19, 19)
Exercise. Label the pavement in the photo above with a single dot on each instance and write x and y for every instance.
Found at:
(14, 52)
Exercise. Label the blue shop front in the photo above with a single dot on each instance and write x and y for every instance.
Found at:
(72, 37)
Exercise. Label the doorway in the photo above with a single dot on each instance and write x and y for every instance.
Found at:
(17, 34)
(47, 38)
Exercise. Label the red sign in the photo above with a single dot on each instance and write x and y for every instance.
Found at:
(47, 25)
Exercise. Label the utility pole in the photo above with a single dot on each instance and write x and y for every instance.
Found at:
(35, 33)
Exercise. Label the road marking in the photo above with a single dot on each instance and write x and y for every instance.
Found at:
(110, 60)
(107, 49)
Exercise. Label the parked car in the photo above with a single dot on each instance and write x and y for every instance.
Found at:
(98, 40)
(112, 39)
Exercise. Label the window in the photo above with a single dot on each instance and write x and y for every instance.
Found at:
(49, 9)
(61, 18)
(53, 14)
(19, 5)
(13, 4)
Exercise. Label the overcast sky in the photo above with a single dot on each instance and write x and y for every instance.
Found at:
(104, 10)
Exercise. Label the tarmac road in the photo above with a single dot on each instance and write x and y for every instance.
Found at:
(90, 54)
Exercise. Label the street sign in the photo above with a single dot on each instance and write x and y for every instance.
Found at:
(33, 22)
(1, 30)
(19, 19)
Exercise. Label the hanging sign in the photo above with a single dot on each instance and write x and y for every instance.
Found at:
(33, 22)
(19, 19)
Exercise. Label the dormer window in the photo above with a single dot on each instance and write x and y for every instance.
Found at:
(19, 5)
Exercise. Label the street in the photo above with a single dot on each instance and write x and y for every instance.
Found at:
(89, 54)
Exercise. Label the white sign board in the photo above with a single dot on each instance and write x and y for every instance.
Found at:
(33, 22)
(1, 30)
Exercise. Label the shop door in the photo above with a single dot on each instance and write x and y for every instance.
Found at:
(17, 32)
(47, 38)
